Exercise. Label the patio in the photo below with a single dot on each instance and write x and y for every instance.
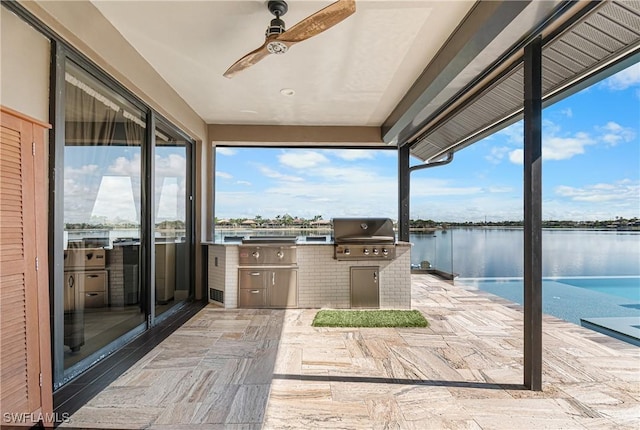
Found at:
(270, 369)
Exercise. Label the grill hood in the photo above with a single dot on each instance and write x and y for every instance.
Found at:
(363, 230)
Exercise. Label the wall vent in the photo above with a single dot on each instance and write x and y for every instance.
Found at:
(216, 295)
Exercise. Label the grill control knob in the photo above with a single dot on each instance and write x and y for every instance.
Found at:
(385, 251)
(280, 254)
(347, 251)
(255, 254)
(375, 251)
(365, 251)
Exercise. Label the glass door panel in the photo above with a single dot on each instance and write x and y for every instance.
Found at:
(104, 135)
(172, 226)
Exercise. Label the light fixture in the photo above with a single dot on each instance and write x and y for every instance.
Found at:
(288, 92)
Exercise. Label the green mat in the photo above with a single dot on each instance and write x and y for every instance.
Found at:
(369, 318)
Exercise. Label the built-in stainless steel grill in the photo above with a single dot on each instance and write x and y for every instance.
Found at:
(364, 239)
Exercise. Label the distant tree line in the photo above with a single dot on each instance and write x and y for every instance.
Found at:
(286, 220)
(617, 223)
(164, 225)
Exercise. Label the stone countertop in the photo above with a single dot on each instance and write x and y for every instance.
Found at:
(299, 242)
(238, 243)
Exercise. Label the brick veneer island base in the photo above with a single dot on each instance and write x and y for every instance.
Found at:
(323, 281)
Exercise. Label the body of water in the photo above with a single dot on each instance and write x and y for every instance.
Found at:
(586, 273)
(498, 252)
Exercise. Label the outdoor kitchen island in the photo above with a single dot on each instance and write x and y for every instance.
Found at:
(288, 272)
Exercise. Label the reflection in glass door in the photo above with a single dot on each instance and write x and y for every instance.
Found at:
(172, 225)
(104, 136)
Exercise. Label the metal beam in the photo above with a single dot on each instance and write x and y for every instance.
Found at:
(480, 28)
(147, 223)
(404, 193)
(533, 215)
(56, 210)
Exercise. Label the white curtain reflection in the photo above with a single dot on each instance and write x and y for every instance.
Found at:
(168, 202)
(115, 201)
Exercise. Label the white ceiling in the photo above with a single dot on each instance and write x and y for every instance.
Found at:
(354, 74)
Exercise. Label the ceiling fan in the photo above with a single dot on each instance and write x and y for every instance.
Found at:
(278, 40)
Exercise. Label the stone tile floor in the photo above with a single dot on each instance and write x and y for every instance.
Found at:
(252, 369)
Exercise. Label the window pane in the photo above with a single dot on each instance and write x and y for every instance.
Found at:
(171, 225)
(104, 135)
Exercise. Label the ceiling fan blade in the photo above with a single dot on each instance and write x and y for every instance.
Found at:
(319, 21)
(247, 61)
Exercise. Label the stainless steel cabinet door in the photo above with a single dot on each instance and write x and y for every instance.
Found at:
(252, 278)
(252, 292)
(283, 288)
(94, 288)
(252, 298)
(365, 287)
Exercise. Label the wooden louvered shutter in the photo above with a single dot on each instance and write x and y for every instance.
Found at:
(24, 312)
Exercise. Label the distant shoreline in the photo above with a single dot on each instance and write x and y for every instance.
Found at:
(430, 229)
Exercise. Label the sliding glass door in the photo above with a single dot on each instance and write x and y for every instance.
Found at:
(122, 216)
(172, 228)
(104, 136)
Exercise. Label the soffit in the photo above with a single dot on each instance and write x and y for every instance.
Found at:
(603, 41)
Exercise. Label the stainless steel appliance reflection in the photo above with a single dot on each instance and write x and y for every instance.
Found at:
(85, 286)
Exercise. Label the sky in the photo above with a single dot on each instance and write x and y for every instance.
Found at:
(102, 184)
(590, 170)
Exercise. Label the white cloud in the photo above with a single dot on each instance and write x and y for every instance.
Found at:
(330, 191)
(87, 169)
(171, 165)
(247, 183)
(112, 193)
(497, 154)
(514, 133)
(302, 159)
(223, 175)
(225, 151)
(563, 148)
(270, 173)
(613, 133)
(469, 208)
(554, 146)
(126, 166)
(344, 174)
(427, 187)
(557, 145)
(622, 191)
(567, 112)
(500, 189)
(354, 154)
(624, 79)
(516, 156)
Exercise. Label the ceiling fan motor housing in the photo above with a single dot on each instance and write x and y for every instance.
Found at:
(276, 27)
(278, 7)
